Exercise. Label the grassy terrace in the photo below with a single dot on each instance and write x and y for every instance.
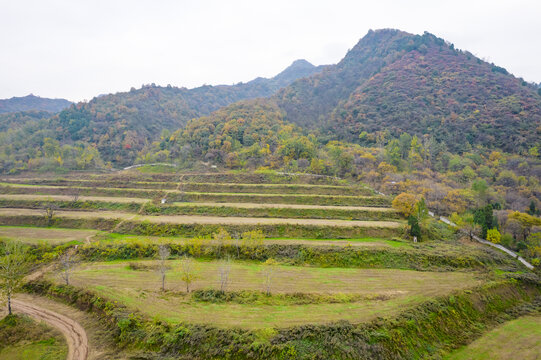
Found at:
(135, 205)
(516, 339)
(174, 195)
(203, 187)
(344, 294)
(55, 236)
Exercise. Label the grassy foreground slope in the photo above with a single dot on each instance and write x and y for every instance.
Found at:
(516, 339)
(22, 339)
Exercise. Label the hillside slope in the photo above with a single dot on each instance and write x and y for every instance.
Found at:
(121, 124)
(420, 84)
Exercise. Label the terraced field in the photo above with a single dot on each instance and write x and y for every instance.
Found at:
(294, 250)
(353, 294)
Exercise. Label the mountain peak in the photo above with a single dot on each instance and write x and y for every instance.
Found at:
(300, 63)
(298, 69)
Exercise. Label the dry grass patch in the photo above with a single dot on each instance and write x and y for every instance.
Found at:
(70, 198)
(33, 235)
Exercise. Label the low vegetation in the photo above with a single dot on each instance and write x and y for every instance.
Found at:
(21, 338)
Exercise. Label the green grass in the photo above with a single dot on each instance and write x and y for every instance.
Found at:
(360, 241)
(105, 238)
(49, 349)
(173, 195)
(21, 338)
(396, 290)
(516, 339)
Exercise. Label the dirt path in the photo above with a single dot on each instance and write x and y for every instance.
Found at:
(189, 219)
(213, 204)
(74, 333)
(285, 206)
(70, 198)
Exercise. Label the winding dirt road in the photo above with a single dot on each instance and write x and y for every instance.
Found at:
(74, 333)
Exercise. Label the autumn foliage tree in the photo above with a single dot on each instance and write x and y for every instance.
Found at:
(405, 204)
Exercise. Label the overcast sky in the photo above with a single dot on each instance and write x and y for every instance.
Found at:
(78, 49)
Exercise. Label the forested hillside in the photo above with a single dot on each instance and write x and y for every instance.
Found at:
(395, 81)
(390, 84)
(32, 103)
(118, 126)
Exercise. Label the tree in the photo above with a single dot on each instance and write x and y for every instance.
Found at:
(49, 210)
(163, 255)
(221, 238)
(421, 210)
(405, 203)
(532, 209)
(188, 272)
(268, 272)
(468, 224)
(13, 267)
(252, 241)
(526, 221)
(480, 187)
(393, 153)
(67, 263)
(484, 217)
(223, 270)
(494, 236)
(75, 193)
(415, 228)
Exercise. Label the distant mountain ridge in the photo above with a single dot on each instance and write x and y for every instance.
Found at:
(33, 103)
(122, 124)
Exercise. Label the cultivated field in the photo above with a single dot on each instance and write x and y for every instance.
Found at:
(298, 251)
(346, 294)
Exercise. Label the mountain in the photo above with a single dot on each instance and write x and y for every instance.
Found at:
(33, 103)
(122, 124)
(419, 84)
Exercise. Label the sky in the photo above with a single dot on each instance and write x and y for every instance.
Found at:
(78, 49)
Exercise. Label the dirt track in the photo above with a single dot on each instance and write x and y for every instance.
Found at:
(74, 333)
(185, 219)
(213, 204)
(70, 198)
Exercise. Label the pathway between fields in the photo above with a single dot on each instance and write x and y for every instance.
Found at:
(74, 333)
(205, 220)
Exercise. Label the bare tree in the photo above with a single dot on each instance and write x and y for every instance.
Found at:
(49, 210)
(221, 239)
(188, 272)
(13, 267)
(67, 263)
(75, 194)
(224, 270)
(163, 255)
(268, 272)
